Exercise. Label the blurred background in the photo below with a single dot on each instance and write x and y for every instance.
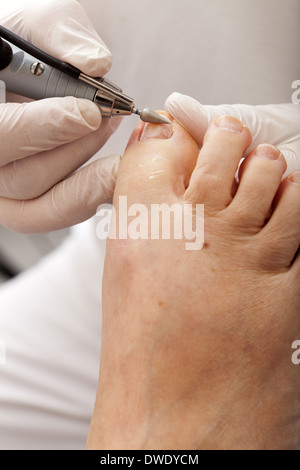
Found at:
(19, 252)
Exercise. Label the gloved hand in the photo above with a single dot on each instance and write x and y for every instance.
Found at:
(43, 143)
(275, 124)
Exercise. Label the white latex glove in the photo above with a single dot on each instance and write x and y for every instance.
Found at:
(274, 124)
(43, 143)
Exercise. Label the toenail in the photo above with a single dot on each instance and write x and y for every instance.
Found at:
(267, 151)
(295, 177)
(157, 131)
(229, 123)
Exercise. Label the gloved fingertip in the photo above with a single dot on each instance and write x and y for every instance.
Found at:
(173, 97)
(189, 113)
(107, 170)
(90, 113)
(96, 64)
(173, 102)
(103, 60)
(183, 107)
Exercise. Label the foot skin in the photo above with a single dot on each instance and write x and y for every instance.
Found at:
(196, 350)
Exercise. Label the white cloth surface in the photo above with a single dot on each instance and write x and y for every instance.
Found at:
(50, 323)
(221, 51)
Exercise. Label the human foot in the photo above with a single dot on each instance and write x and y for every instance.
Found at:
(196, 350)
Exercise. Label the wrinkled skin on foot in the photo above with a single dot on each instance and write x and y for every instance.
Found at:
(196, 348)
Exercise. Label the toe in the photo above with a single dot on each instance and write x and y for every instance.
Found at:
(159, 160)
(260, 175)
(282, 232)
(224, 145)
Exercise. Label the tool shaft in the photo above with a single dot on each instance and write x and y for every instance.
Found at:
(29, 76)
(21, 76)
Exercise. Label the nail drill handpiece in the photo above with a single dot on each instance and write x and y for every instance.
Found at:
(29, 71)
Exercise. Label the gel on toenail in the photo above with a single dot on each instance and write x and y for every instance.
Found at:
(267, 151)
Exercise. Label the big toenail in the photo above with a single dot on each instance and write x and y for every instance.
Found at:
(157, 131)
(295, 177)
(267, 151)
(229, 123)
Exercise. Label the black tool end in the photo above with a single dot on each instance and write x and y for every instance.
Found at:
(6, 54)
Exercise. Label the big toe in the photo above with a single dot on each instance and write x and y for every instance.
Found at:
(158, 162)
